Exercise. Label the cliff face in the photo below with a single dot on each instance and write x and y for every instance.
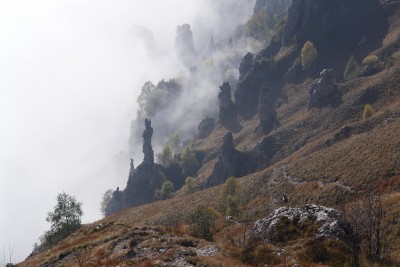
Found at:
(338, 28)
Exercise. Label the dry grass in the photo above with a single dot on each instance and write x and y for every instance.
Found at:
(307, 170)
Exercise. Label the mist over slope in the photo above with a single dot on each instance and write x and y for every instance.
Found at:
(71, 74)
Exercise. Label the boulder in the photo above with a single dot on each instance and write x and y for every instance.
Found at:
(328, 221)
(323, 91)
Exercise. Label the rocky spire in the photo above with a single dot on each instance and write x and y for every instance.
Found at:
(132, 169)
(147, 148)
(266, 110)
(211, 46)
(227, 114)
(227, 162)
(184, 44)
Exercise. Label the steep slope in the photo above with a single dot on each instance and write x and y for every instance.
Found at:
(323, 155)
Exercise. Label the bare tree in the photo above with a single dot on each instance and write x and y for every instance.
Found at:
(81, 256)
(367, 229)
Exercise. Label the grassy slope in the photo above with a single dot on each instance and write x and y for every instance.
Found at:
(310, 171)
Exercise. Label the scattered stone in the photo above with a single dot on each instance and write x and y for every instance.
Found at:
(229, 219)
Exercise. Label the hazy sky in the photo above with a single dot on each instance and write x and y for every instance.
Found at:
(70, 73)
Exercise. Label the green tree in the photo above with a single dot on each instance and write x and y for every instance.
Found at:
(227, 198)
(309, 55)
(232, 208)
(174, 142)
(165, 157)
(105, 200)
(64, 219)
(152, 99)
(188, 162)
(352, 69)
(261, 26)
(167, 190)
(202, 222)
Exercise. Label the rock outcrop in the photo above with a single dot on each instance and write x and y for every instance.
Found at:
(211, 46)
(142, 182)
(255, 73)
(245, 65)
(185, 45)
(323, 20)
(228, 161)
(227, 111)
(328, 221)
(205, 128)
(266, 110)
(147, 148)
(323, 91)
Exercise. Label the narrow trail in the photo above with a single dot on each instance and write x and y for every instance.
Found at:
(280, 176)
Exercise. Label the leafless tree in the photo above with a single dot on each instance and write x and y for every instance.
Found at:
(367, 228)
(10, 254)
(81, 256)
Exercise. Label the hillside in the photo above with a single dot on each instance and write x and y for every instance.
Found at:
(292, 144)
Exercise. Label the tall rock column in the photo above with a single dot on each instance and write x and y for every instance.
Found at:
(227, 111)
(184, 44)
(147, 148)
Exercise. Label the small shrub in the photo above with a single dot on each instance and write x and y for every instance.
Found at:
(370, 60)
(368, 112)
(258, 254)
(287, 229)
(167, 190)
(370, 65)
(308, 55)
(330, 252)
(190, 187)
(202, 222)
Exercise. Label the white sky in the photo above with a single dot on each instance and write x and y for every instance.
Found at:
(69, 78)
